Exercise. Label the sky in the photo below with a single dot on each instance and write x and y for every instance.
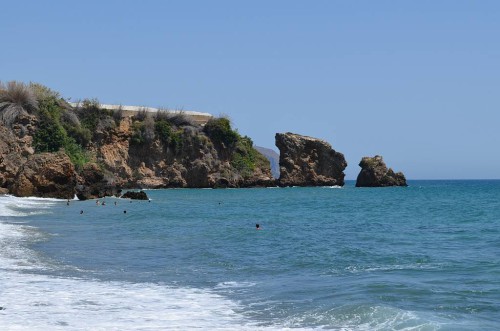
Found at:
(417, 82)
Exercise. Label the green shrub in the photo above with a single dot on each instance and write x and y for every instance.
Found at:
(91, 114)
(163, 131)
(137, 137)
(81, 135)
(50, 136)
(220, 132)
(58, 129)
(177, 141)
(78, 156)
(246, 158)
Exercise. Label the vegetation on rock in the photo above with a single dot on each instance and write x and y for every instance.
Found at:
(16, 99)
(220, 132)
(162, 149)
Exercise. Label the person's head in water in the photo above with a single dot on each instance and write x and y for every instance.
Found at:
(257, 226)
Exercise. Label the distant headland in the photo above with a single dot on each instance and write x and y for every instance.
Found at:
(52, 148)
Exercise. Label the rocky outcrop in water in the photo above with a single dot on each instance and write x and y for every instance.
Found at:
(374, 173)
(141, 195)
(307, 161)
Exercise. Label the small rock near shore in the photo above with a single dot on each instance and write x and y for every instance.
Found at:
(141, 195)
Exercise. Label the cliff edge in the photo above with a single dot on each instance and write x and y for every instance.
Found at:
(50, 148)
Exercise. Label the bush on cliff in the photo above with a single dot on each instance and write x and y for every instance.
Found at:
(143, 131)
(246, 158)
(220, 132)
(163, 130)
(52, 135)
(92, 117)
(16, 99)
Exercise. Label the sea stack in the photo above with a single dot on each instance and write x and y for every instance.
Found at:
(374, 173)
(308, 161)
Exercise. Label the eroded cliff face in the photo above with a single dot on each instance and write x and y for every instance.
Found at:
(374, 173)
(307, 161)
(146, 151)
(15, 148)
(49, 175)
(193, 161)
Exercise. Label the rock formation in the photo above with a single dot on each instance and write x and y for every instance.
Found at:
(141, 195)
(192, 160)
(374, 173)
(92, 184)
(307, 161)
(50, 175)
(105, 150)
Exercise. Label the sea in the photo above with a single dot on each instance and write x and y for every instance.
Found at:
(422, 257)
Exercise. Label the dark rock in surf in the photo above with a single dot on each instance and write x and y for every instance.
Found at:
(374, 173)
(92, 184)
(141, 195)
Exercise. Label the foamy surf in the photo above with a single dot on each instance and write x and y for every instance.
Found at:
(31, 299)
(37, 302)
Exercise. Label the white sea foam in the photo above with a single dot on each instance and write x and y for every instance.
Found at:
(235, 284)
(11, 206)
(37, 302)
(31, 301)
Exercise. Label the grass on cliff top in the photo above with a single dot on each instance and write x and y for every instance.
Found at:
(62, 128)
(16, 99)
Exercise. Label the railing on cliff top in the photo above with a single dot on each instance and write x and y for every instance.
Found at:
(198, 117)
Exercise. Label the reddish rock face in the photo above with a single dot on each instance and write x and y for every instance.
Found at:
(11, 157)
(374, 173)
(48, 175)
(307, 161)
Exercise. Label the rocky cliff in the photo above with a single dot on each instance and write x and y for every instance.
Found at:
(50, 175)
(307, 161)
(374, 173)
(49, 148)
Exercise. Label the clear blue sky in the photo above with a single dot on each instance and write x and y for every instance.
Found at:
(415, 81)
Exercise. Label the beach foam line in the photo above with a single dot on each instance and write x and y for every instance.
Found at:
(30, 300)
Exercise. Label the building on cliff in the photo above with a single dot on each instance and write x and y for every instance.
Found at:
(198, 117)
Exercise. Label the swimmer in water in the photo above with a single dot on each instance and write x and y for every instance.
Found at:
(257, 226)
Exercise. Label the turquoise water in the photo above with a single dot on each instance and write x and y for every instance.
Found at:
(425, 257)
